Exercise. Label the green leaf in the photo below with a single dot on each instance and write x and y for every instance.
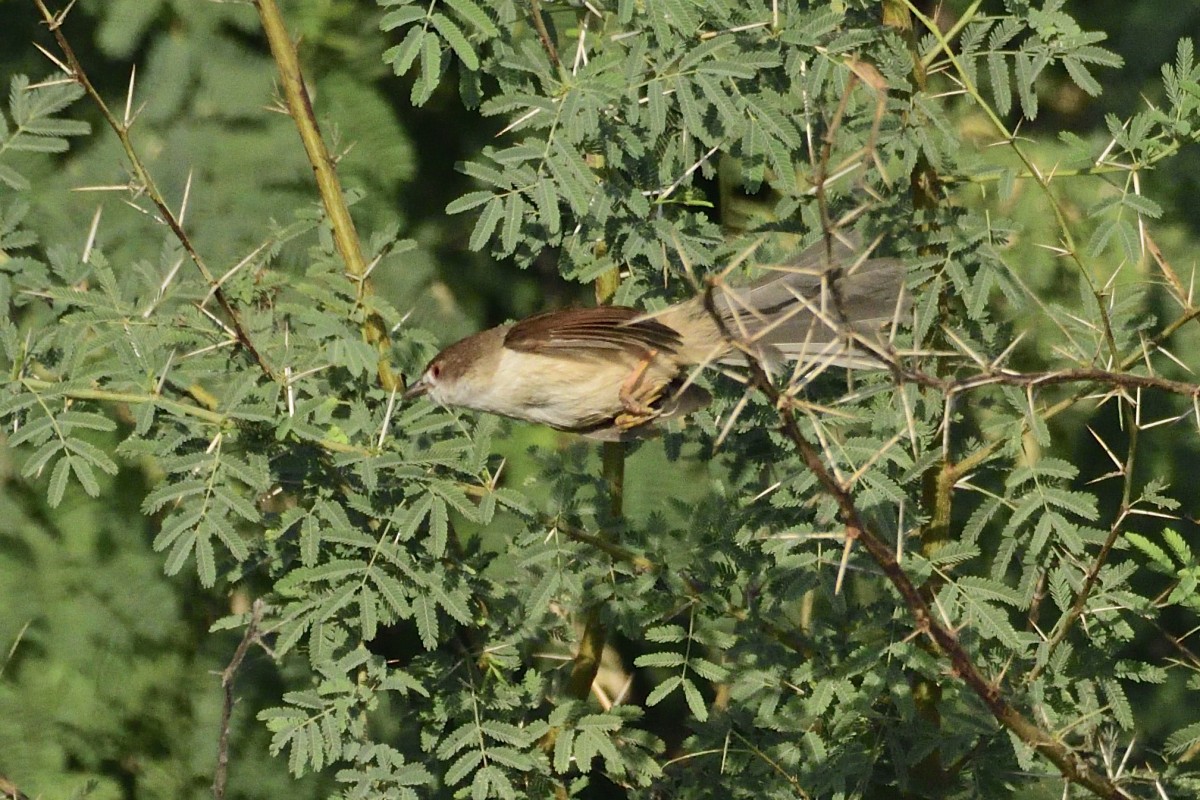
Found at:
(462, 767)
(1152, 551)
(58, 481)
(13, 179)
(468, 201)
(708, 670)
(666, 634)
(563, 751)
(981, 588)
(546, 199)
(431, 71)
(482, 233)
(475, 16)
(659, 692)
(457, 41)
(1081, 76)
(1142, 205)
(993, 623)
(505, 732)
(454, 602)
(1184, 739)
(659, 660)
(403, 55)
(695, 701)
(513, 217)
(425, 614)
(438, 528)
(405, 15)
(1001, 88)
(1179, 546)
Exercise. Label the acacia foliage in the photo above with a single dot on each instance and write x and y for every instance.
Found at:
(750, 665)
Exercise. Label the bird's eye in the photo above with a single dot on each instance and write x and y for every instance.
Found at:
(435, 371)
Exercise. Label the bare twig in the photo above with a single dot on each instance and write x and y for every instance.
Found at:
(227, 677)
(1032, 380)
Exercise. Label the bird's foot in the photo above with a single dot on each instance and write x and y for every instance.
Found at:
(637, 397)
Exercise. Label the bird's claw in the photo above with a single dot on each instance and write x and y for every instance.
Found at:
(638, 399)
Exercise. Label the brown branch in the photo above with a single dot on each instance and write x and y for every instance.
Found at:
(535, 10)
(345, 236)
(227, 677)
(970, 462)
(121, 128)
(1073, 768)
(1032, 380)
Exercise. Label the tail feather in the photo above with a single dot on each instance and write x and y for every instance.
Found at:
(830, 311)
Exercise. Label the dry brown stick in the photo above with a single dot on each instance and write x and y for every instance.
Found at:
(1032, 380)
(535, 10)
(1073, 768)
(345, 236)
(228, 675)
(121, 128)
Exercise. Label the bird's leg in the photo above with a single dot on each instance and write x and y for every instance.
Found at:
(637, 398)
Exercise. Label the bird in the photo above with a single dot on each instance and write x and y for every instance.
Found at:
(615, 373)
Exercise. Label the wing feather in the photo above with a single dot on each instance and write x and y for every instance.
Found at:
(590, 329)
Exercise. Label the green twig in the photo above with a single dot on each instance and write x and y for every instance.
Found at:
(345, 236)
(38, 386)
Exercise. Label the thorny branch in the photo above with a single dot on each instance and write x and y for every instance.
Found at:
(1070, 765)
(146, 183)
(1068, 620)
(227, 677)
(1032, 380)
(345, 236)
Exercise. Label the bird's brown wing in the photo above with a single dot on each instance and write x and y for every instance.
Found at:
(584, 330)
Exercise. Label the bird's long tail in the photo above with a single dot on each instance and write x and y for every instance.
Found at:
(827, 306)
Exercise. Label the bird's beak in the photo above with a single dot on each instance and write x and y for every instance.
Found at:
(418, 388)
